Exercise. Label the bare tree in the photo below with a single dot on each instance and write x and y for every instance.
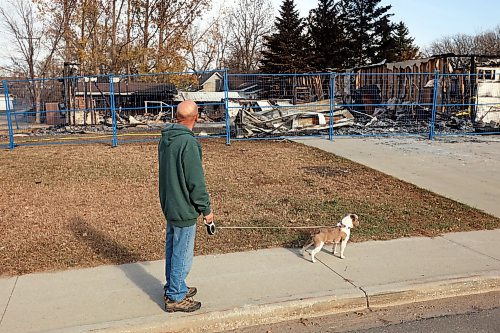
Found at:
(250, 21)
(488, 42)
(485, 43)
(19, 22)
(131, 36)
(459, 44)
(136, 36)
(207, 47)
(57, 17)
(162, 25)
(33, 50)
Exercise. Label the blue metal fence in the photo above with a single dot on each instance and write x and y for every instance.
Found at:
(117, 109)
(384, 104)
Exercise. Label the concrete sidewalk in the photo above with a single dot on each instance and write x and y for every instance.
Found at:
(255, 287)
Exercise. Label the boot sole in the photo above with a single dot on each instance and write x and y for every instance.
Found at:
(183, 310)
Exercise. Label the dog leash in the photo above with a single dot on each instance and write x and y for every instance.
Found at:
(211, 227)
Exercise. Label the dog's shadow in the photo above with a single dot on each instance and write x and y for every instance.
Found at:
(119, 255)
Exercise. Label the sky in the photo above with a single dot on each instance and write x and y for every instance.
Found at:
(429, 20)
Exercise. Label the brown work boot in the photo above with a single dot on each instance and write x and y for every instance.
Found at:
(186, 305)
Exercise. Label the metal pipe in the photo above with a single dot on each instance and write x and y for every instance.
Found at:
(114, 141)
(226, 105)
(7, 110)
(434, 102)
(332, 105)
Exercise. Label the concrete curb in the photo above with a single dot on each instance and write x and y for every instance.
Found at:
(394, 295)
(217, 321)
(376, 297)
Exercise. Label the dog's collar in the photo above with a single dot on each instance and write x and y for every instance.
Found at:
(340, 225)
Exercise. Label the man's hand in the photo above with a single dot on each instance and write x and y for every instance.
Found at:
(209, 218)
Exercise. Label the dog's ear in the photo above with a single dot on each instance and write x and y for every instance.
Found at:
(355, 220)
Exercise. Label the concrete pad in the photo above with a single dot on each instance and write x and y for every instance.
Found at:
(485, 241)
(378, 263)
(6, 289)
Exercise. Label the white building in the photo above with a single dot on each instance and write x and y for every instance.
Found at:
(488, 95)
(3, 103)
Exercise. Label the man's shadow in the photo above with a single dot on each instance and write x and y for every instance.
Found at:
(105, 247)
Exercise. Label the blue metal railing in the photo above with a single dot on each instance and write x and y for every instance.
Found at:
(9, 117)
(382, 104)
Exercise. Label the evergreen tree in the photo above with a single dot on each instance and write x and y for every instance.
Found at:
(386, 46)
(404, 47)
(286, 49)
(362, 21)
(326, 36)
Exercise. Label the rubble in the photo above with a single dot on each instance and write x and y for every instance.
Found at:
(259, 118)
(278, 118)
(73, 129)
(282, 118)
(490, 127)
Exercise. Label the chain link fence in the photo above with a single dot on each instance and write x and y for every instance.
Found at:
(116, 109)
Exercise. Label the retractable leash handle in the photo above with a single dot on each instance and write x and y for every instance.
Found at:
(210, 227)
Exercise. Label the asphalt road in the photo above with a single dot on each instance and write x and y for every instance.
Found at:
(473, 313)
(486, 321)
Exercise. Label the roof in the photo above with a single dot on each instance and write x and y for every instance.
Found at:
(129, 88)
(203, 96)
(206, 76)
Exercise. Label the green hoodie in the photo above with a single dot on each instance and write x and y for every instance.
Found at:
(183, 194)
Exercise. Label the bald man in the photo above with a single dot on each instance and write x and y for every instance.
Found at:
(183, 198)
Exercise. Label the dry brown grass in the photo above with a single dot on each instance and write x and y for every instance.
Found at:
(88, 205)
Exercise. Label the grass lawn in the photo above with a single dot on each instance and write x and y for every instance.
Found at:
(88, 205)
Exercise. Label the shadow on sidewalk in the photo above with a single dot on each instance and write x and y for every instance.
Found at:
(107, 248)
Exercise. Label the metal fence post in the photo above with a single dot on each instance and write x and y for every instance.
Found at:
(332, 105)
(7, 111)
(226, 105)
(434, 103)
(114, 141)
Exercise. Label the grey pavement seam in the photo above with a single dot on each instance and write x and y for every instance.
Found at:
(367, 297)
(469, 248)
(348, 281)
(8, 301)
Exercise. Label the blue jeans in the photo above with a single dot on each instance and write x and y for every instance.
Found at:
(179, 251)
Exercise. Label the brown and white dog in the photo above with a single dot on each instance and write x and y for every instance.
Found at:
(339, 234)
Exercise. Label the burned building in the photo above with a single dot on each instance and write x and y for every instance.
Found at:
(395, 97)
(92, 99)
(457, 91)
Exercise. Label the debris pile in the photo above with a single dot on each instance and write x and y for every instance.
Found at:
(275, 118)
(264, 118)
(280, 117)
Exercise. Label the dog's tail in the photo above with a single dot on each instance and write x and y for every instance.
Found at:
(305, 247)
